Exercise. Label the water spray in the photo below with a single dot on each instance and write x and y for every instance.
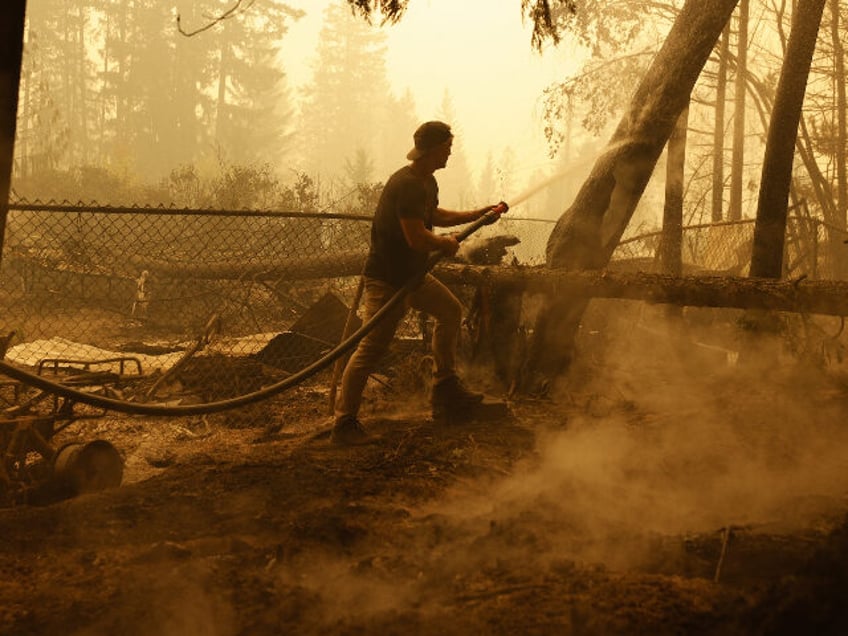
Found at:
(535, 189)
(529, 192)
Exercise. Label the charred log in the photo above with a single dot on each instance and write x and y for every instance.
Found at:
(802, 296)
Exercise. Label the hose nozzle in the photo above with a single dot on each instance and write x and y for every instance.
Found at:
(495, 213)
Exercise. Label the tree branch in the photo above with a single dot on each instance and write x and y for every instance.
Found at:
(390, 10)
(229, 13)
(546, 22)
(545, 14)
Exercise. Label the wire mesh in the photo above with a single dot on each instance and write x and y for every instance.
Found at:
(812, 249)
(87, 287)
(215, 303)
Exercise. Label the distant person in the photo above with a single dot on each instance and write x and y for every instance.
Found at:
(401, 239)
(142, 296)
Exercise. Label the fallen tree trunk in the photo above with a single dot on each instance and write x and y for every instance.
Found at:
(806, 296)
(803, 296)
(305, 268)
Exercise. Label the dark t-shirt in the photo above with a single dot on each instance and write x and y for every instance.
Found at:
(406, 195)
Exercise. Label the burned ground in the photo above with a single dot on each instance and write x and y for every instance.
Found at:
(650, 494)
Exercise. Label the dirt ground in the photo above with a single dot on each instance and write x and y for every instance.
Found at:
(656, 493)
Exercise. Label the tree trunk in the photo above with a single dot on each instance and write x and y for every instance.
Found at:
(718, 132)
(82, 86)
(825, 297)
(101, 98)
(587, 233)
(672, 236)
(821, 186)
(24, 108)
(221, 100)
(12, 14)
(770, 226)
(822, 189)
(737, 166)
(841, 135)
(123, 106)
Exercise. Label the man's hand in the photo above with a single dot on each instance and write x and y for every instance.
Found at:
(448, 244)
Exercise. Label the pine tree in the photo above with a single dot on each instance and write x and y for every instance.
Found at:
(396, 131)
(488, 182)
(54, 95)
(251, 113)
(346, 105)
(456, 189)
(115, 84)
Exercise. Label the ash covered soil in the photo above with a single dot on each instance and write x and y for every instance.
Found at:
(652, 495)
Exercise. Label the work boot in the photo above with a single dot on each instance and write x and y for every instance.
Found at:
(451, 401)
(348, 431)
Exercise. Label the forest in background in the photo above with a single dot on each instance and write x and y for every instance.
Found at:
(117, 105)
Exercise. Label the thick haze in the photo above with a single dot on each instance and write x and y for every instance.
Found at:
(308, 109)
(476, 51)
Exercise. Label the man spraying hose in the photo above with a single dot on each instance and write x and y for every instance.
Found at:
(402, 238)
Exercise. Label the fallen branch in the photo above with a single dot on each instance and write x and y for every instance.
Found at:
(213, 326)
(725, 539)
(804, 296)
(213, 20)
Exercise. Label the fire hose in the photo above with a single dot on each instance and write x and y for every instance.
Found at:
(138, 408)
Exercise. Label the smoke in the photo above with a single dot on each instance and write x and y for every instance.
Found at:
(658, 445)
(681, 475)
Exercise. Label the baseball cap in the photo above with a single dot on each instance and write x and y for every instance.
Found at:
(428, 135)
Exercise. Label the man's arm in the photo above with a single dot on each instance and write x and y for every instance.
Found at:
(419, 238)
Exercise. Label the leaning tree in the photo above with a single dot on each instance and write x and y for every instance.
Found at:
(587, 233)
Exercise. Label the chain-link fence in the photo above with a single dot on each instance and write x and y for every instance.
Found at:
(812, 248)
(110, 289)
(175, 311)
(237, 299)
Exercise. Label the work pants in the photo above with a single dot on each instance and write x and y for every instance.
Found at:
(431, 297)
